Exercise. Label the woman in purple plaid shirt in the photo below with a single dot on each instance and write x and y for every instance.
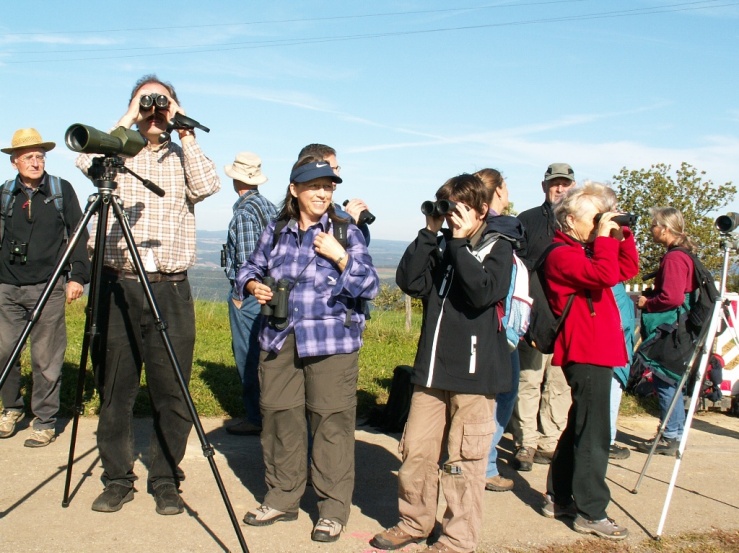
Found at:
(309, 359)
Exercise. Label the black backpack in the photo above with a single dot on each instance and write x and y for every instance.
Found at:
(393, 416)
(705, 295)
(544, 326)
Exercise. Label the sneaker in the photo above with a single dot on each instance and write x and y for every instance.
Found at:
(618, 452)
(542, 457)
(8, 421)
(112, 498)
(265, 515)
(604, 528)
(244, 428)
(168, 499)
(393, 538)
(665, 446)
(327, 530)
(524, 458)
(498, 484)
(40, 438)
(550, 509)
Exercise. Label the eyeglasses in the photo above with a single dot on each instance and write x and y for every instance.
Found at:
(315, 187)
(30, 158)
(336, 169)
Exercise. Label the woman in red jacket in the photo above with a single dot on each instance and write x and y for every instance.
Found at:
(593, 254)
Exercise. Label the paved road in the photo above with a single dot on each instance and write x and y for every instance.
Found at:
(32, 484)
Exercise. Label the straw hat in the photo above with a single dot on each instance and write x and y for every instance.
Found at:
(27, 138)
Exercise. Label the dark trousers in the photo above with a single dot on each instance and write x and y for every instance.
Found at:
(578, 470)
(326, 388)
(127, 340)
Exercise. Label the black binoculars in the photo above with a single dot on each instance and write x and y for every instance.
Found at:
(276, 308)
(157, 101)
(18, 250)
(439, 208)
(625, 219)
(365, 217)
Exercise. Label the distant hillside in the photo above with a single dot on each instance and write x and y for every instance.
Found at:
(209, 281)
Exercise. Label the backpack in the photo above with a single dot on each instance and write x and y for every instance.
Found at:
(544, 326)
(7, 200)
(704, 296)
(392, 416)
(515, 309)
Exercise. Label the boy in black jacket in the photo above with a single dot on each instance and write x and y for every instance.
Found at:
(462, 361)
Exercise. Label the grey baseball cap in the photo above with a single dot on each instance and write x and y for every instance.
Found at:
(559, 171)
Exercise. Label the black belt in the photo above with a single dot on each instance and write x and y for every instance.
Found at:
(117, 274)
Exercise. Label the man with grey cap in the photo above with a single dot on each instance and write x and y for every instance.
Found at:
(252, 212)
(540, 414)
(37, 214)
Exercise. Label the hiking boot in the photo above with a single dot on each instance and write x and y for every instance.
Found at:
(244, 428)
(542, 457)
(327, 530)
(524, 458)
(393, 538)
(8, 421)
(498, 484)
(112, 498)
(40, 438)
(665, 446)
(168, 499)
(550, 509)
(618, 452)
(265, 515)
(604, 528)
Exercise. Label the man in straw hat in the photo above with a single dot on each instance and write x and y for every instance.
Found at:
(252, 212)
(34, 229)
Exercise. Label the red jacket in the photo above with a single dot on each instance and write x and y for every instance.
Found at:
(591, 332)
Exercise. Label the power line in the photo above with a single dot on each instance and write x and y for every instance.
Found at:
(163, 51)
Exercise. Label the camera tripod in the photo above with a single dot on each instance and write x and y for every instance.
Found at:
(696, 370)
(103, 173)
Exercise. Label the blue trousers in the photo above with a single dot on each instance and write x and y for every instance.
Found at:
(665, 392)
(245, 324)
(504, 404)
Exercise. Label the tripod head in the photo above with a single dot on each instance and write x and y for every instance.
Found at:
(104, 169)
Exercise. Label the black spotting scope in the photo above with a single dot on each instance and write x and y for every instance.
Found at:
(727, 223)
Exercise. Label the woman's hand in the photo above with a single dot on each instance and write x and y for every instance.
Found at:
(641, 302)
(606, 227)
(261, 292)
(462, 221)
(327, 246)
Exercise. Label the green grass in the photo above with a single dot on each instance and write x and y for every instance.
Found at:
(215, 386)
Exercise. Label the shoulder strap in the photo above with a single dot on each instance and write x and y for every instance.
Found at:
(55, 189)
(281, 224)
(6, 204)
(340, 230)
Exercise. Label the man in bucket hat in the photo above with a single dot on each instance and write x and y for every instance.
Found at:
(252, 212)
(34, 229)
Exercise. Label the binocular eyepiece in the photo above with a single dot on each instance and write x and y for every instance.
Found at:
(439, 208)
(276, 307)
(156, 101)
(727, 223)
(624, 219)
(365, 217)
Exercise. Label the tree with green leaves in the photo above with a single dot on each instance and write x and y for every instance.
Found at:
(698, 198)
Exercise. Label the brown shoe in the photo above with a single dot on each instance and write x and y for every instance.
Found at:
(542, 457)
(393, 538)
(524, 459)
(499, 484)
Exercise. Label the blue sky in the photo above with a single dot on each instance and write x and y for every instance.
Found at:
(410, 93)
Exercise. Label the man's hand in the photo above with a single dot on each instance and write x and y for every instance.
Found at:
(355, 207)
(462, 221)
(74, 291)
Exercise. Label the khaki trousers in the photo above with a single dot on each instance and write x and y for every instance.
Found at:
(458, 427)
(544, 399)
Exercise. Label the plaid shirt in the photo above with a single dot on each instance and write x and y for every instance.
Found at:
(252, 212)
(321, 297)
(163, 228)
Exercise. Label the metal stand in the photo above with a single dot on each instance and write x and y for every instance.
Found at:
(697, 367)
(103, 172)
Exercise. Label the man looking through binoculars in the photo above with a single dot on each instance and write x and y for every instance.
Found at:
(164, 232)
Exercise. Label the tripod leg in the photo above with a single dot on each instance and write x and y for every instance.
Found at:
(101, 205)
(162, 328)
